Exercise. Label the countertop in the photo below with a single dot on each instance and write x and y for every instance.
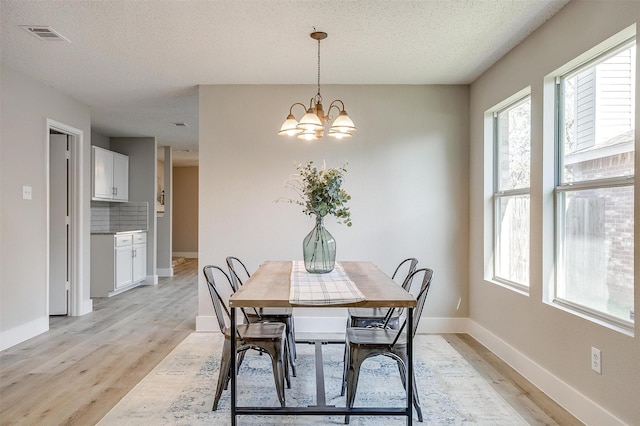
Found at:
(135, 231)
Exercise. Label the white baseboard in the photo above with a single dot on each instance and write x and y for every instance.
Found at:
(87, 307)
(164, 272)
(319, 325)
(328, 337)
(19, 334)
(207, 323)
(313, 325)
(187, 254)
(150, 280)
(305, 326)
(330, 326)
(443, 325)
(568, 397)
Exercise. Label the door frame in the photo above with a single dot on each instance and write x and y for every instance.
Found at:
(76, 252)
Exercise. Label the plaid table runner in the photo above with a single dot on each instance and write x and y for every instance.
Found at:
(332, 288)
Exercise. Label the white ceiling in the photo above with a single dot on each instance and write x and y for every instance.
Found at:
(137, 64)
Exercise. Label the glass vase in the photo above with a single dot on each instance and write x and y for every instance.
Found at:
(319, 249)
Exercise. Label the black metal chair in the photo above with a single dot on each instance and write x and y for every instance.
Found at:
(239, 274)
(364, 343)
(375, 317)
(264, 337)
(365, 317)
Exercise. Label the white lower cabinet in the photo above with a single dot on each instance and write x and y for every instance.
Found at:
(124, 266)
(118, 262)
(139, 267)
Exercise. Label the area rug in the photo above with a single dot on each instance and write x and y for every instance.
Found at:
(180, 390)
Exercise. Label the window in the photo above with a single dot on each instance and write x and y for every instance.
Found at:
(512, 163)
(595, 186)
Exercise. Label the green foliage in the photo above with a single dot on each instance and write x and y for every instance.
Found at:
(320, 191)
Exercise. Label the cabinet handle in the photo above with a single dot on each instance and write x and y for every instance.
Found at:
(134, 253)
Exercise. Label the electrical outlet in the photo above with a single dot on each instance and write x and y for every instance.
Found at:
(596, 360)
(26, 192)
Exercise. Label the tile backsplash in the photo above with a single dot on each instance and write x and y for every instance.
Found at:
(120, 217)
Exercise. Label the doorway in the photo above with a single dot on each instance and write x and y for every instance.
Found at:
(59, 222)
(64, 220)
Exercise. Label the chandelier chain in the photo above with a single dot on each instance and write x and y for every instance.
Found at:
(319, 68)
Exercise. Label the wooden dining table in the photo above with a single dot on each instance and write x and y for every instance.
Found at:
(270, 287)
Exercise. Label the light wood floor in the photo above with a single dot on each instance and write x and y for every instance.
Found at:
(77, 371)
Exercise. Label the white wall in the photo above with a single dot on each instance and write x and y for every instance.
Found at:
(552, 346)
(407, 175)
(25, 106)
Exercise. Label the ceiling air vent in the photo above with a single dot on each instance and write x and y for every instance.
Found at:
(44, 33)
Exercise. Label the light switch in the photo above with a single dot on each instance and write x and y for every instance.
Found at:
(26, 192)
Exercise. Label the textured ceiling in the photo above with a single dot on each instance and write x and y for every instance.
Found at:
(137, 64)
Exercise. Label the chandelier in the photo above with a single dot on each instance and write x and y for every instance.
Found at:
(311, 125)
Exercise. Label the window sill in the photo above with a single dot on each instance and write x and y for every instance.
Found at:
(627, 330)
(518, 288)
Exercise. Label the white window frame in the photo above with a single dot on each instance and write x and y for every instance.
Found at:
(497, 194)
(606, 50)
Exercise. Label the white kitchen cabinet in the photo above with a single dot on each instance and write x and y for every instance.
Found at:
(139, 266)
(123, 261)
(118, 262)
(121, 177)
(110, 175)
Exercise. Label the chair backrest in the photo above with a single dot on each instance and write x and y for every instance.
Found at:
(239, 275)
(219, 301)
(427, 277)
(237, 271)
(409, 264)
(422, 297)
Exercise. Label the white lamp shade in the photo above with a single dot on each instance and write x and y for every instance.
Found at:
(342, 124)
(310, 121)
(290, 126)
